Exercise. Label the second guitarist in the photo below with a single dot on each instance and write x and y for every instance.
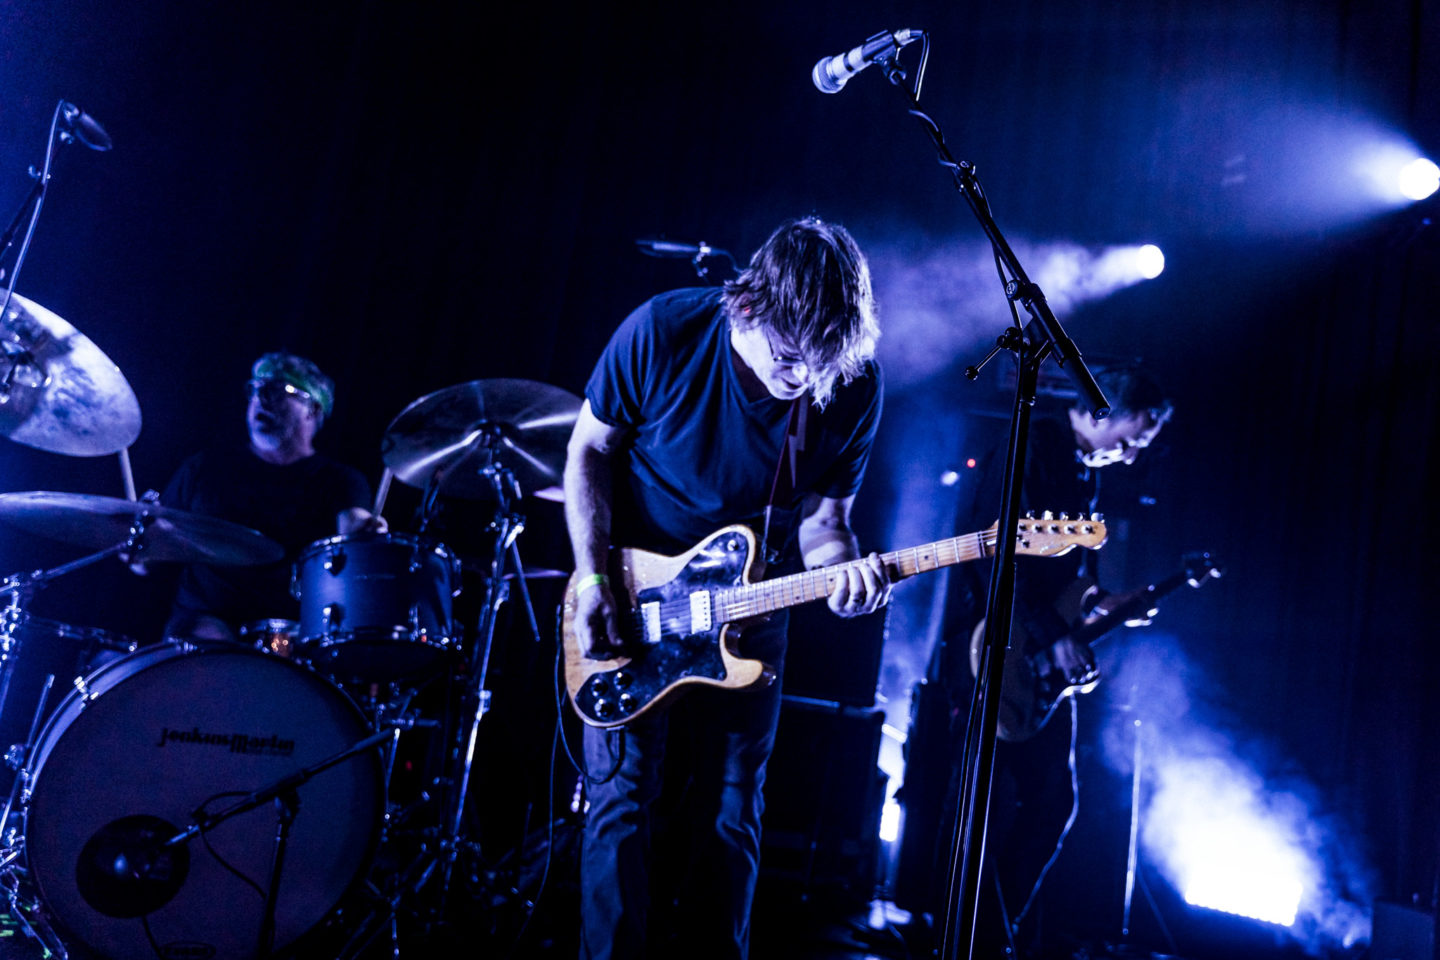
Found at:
(706, 408)
(1033, 786)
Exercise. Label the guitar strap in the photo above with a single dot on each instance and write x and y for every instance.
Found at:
(790, 450)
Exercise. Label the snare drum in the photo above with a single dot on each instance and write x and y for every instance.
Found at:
(280, 637)
(166, 730)
(375, 608)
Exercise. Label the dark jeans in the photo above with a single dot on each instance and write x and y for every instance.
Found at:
(671, 872)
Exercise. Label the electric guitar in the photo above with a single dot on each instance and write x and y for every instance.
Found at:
(1033, 687)
(677, 613)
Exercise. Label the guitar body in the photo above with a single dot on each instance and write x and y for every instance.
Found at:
(677, 642)
(1028, 697)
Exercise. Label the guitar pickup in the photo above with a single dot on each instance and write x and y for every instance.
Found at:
(650, 619)
(700, 611)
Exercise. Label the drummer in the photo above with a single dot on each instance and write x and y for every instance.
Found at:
(276, 484)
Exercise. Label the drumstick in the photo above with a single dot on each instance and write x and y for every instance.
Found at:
(382, 491)
(126, 475)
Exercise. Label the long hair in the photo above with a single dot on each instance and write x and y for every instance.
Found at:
(810, 285)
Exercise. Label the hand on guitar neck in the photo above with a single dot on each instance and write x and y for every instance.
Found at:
(1139, 613)
(1036, 680)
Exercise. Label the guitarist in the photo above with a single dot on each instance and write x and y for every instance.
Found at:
(707, 408)
(1032, 790)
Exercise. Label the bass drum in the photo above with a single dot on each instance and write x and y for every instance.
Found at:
(170, 729)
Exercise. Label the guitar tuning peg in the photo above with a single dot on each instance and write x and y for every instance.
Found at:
(1047, 515)
(1097, 518)
(1064, 516)
(1029, 514)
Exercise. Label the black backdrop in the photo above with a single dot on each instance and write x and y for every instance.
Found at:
(417, 195)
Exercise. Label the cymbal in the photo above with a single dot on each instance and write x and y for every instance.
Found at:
(171, 535)
(64, 395)
(461, 436)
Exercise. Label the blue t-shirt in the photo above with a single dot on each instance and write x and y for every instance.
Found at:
(701, 454)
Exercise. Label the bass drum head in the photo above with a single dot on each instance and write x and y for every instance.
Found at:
(165, 730)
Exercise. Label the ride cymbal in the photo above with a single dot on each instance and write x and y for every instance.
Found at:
(465, 437)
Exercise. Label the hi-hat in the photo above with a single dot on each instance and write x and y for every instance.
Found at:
(58, 391)
(464, 438)
(172, 535)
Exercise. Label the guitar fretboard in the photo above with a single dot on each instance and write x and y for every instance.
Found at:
(758, 599)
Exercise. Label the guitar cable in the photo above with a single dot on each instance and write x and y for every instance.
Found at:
(1069, 822)
(610, 736)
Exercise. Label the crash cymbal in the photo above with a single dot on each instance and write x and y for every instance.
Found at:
(58, 392)
(461, 435)
(170, 535)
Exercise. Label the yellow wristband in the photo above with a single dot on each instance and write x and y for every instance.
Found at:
(586, 583)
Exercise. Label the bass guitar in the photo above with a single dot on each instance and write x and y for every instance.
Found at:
(1033, 687)
(677, 613)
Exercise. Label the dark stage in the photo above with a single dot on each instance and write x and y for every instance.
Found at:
(421, 197)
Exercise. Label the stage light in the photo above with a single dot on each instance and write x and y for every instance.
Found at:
(890, 821)
(1150, 260)
(1419, 178)
(1267, 899)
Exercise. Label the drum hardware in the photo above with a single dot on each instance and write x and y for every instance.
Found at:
(58, 391)
(449, 439)
(376, 607)
(73, 833)
(17, 757)
(170, 535)
(483, 440)
(138, 864)
(275, 636)
(20, 587)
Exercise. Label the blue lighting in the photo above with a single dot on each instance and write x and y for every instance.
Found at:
(1419, 178)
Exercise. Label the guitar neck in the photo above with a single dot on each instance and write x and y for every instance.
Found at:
(1142, 604)
(768, 596)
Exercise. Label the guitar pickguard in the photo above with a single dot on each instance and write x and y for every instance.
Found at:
(671, 628)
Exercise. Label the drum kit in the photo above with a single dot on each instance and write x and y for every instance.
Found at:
(238, 800)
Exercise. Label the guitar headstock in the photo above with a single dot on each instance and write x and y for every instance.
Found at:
(1051, 535)
(1201, 566)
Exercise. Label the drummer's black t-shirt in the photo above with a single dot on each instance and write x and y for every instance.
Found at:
(294, 505)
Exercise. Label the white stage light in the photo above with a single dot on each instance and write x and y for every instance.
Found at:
(1150, 260)
(1267, 899)
(1419, 178)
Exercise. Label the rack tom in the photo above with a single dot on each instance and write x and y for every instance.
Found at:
(376, 608)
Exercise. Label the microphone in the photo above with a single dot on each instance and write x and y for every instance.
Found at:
(831, 73)
(128, 869)
(669, 248)
(85, 128)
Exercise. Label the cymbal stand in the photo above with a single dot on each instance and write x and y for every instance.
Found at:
(35, 199)
(21, 586)
(507, 525)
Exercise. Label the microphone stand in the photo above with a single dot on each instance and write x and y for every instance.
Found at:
(1042, 336)
(287, 805)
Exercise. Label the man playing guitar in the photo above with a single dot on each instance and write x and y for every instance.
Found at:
(710, 408)
(1033, 790)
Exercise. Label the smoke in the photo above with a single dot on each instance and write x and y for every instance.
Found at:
(1222, 821)
(943, 302)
